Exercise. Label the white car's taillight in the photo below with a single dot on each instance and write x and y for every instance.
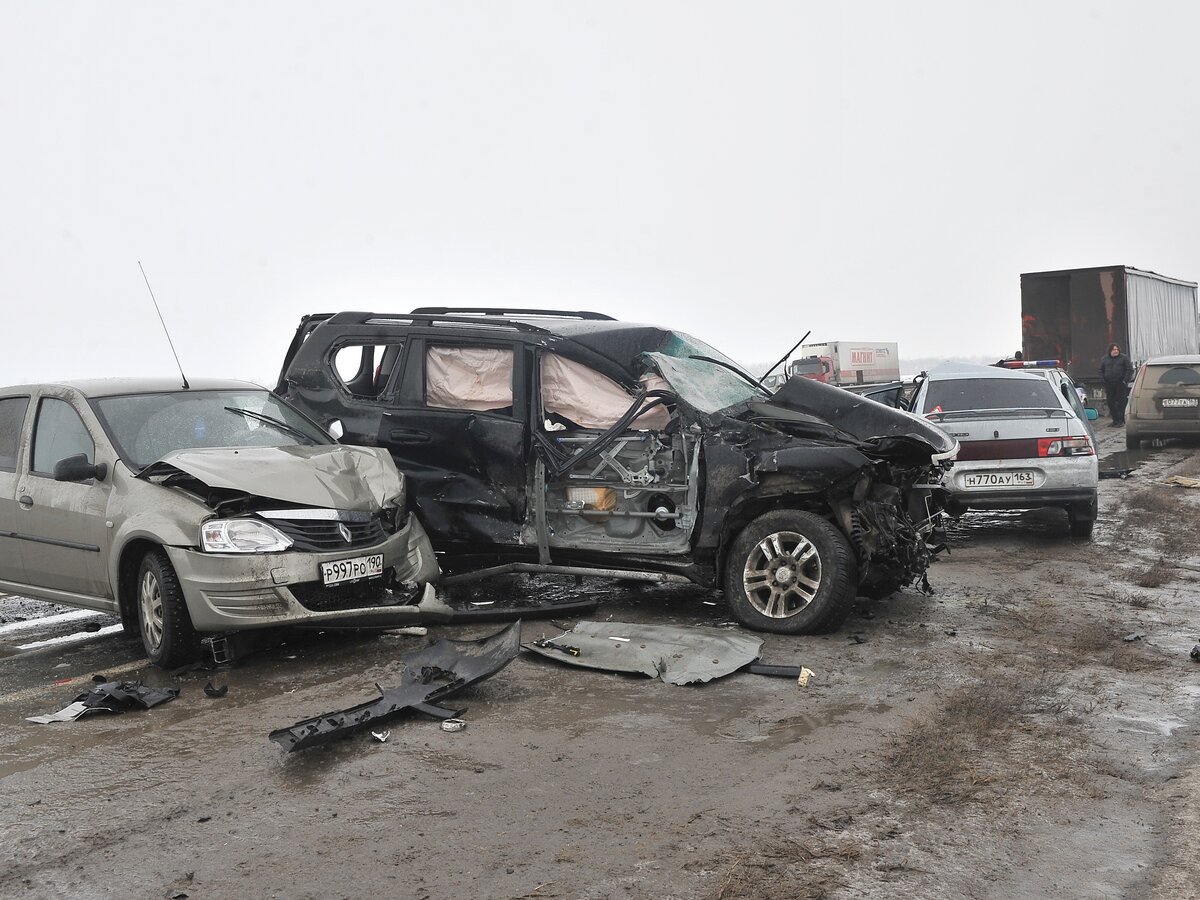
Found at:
(1079, 446)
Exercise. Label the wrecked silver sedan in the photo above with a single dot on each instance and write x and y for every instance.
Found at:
(212, 509)
(571, 443)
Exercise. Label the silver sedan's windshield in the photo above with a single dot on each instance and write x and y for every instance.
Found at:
(146, 427)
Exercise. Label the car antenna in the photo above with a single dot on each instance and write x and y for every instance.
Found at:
(164, 325)
(785, 356)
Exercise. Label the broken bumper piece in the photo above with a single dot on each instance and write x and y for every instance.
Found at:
(676, 655)
(428, 676)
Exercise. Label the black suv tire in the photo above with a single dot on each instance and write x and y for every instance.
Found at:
(790, 572)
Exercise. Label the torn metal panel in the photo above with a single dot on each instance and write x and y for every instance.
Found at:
(429, 675)
(676, 655)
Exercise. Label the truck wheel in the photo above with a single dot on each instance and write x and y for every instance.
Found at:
(790, 572)
(1082, 519)
(163, 619)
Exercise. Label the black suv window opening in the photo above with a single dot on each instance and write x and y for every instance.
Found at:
(560, 463)
(384, 344)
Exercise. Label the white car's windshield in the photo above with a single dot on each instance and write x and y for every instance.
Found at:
(146, 427)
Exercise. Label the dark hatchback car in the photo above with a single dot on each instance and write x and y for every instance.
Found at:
(574, 443)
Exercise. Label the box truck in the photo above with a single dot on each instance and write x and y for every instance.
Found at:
(847, 363)
(1072, 315)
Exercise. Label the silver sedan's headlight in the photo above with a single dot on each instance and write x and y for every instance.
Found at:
(242, 536)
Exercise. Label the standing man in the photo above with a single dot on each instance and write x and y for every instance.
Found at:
(1116, 371)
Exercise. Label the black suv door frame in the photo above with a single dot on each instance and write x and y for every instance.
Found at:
(468, 470)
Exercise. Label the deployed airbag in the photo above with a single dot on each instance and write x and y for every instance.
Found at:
(592, 400)
(478, 378)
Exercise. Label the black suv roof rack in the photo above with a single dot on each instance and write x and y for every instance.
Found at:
(505, 313)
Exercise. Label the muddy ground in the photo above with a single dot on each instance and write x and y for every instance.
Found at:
(1000, 738)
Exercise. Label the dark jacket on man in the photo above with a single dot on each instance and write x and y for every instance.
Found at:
(1116, 369)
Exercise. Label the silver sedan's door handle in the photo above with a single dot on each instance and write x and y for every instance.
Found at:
(26, 501)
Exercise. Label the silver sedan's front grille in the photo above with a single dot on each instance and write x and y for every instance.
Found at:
(328, 530)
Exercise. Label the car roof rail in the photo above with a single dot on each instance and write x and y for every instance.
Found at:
(506, 313)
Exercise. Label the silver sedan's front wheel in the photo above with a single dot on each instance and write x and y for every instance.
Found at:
(151, 608)
(792, 572)
(163, 619)
(782, 574)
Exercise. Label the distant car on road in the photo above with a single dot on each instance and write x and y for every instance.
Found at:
(1165, 400)
(1024, 438)
(212, 509)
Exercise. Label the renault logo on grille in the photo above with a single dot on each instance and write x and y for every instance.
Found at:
(344, 532)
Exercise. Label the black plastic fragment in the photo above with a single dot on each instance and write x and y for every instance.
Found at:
(215, 692)
(429, 675)
(119, 696)
(774, 671)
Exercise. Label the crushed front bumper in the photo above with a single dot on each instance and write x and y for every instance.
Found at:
(230, 592)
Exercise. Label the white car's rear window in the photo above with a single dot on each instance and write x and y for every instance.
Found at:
(990, 393)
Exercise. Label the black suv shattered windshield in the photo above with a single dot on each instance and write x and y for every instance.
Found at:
(702, 376)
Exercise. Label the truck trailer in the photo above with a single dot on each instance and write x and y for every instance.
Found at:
(1073, 315)
(846, 363)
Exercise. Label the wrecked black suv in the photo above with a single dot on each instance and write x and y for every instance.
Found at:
(572, 443)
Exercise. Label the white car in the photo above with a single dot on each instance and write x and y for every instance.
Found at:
(1023, 442)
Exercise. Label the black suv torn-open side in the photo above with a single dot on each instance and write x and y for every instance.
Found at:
(569, 442)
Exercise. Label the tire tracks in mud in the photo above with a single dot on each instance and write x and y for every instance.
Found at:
(1051, 757)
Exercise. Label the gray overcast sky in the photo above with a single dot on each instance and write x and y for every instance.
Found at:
(742, 171)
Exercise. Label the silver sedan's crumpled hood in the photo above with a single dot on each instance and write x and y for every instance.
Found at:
(330, 476)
